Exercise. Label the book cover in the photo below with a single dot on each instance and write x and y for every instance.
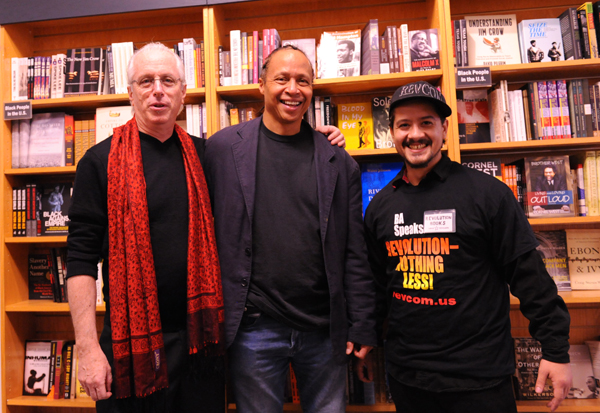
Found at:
(40, 277)
(338, 54)
(83, 71)
(356, 123)
(492, 40)
(528, 353)
(56, 200)
(594, 347)
(370, 48)
(591, 27)
(549, 191)
(374, 176)
(424, 50)
(36, 371)
(47, 140)
(307, 46)
(541, 40)
(583, 248)
(553, 249)
(380, 109)
(108, 118)
(584, 384)
(490, 166)
(473, 115)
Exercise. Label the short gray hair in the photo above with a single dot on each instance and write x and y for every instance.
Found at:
(155, 48)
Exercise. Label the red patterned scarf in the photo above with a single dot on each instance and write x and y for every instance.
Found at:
(139, 355)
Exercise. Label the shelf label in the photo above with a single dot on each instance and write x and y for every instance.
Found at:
(17, 110)
(469, 77)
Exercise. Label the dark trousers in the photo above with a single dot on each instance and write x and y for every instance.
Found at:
(188, 392)
(498, 399)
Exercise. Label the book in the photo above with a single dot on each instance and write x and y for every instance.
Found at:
(541, 40)
(569, 24)
(528, 353)
(584, 384)
(36, 369)
(338, 54)
(594, 348)
(374, 176)
(56, 200)
(490, 166)
(380, 108)
(83, 68)
(370, 48)
(492, 40)
(473, 115)
(46, 140)
(583, 248)
(549, 189)
(108, 118)
(356, 123)
(424, 50)
(553, 249)
(40, 277)
(307, 46)
(235, 40)
(591, 28)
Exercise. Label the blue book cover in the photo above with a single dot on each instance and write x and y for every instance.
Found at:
(375, 176)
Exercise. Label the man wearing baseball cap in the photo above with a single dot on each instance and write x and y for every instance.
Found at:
(446, 244)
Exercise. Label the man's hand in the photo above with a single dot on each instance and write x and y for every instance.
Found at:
(359, 350)
(334, 135)
(94, 373)
(561, 377)
(364, 368)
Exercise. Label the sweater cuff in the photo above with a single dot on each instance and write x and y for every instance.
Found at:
(557, 352)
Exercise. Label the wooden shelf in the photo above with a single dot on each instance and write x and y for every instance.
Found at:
(338, 86)
(564, 222)
(571, 297)
(505, 148)
(36, 240)
(41, 401)
(570, 69)
(43, 306)
(60, 170)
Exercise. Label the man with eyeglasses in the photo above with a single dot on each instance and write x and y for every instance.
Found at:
(141, 204)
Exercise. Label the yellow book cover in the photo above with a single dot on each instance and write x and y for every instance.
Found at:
(356, 123)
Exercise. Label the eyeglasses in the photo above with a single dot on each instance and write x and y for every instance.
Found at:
(148, 82)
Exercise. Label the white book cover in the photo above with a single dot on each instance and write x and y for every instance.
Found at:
(24, 132)
(109, 118)
(60, 75)
(583, 249)
(189, 118)
(540, 40)
(196, 120)
(204, 121)
(493, 40)
(47, 140)
(36, 370)
(19, 67)
(15, 144)
(405, 47)
(189, 47)
(236, 57)
(338, 54)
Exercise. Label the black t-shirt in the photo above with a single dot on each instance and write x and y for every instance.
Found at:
(440, 253)
(288, 279)
(166, 191)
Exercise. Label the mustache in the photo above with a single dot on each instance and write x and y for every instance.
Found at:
(409, 142)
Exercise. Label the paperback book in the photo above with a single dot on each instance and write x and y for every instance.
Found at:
(541, 40)
(492, 40)
(528, 353)
(56, 200)
(553, 249)
(338, 54)
(83, 71)
(380, 109)
(473, 115)
(40, 277)
(356, 123)
(549, 191)
(424, 50)
(36, 371)
(584, 384)
(374, 176)
(583, 247)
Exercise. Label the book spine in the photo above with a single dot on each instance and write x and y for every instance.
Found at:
(589, 10)
(573, 109)
(457, 43)
(236, 57)
(584, 34)
(463, 36)
(405, 47)
(256, 68)
(244, 56)
(591, 183)
(546, 114)
(557, 132)
(389, 43)
(563, 102)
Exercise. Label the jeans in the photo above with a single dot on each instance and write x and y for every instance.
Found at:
(259, 361)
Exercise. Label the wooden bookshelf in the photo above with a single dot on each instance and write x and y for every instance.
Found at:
(23, 319)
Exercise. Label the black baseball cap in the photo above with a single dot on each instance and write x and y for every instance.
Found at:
(421, 90)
